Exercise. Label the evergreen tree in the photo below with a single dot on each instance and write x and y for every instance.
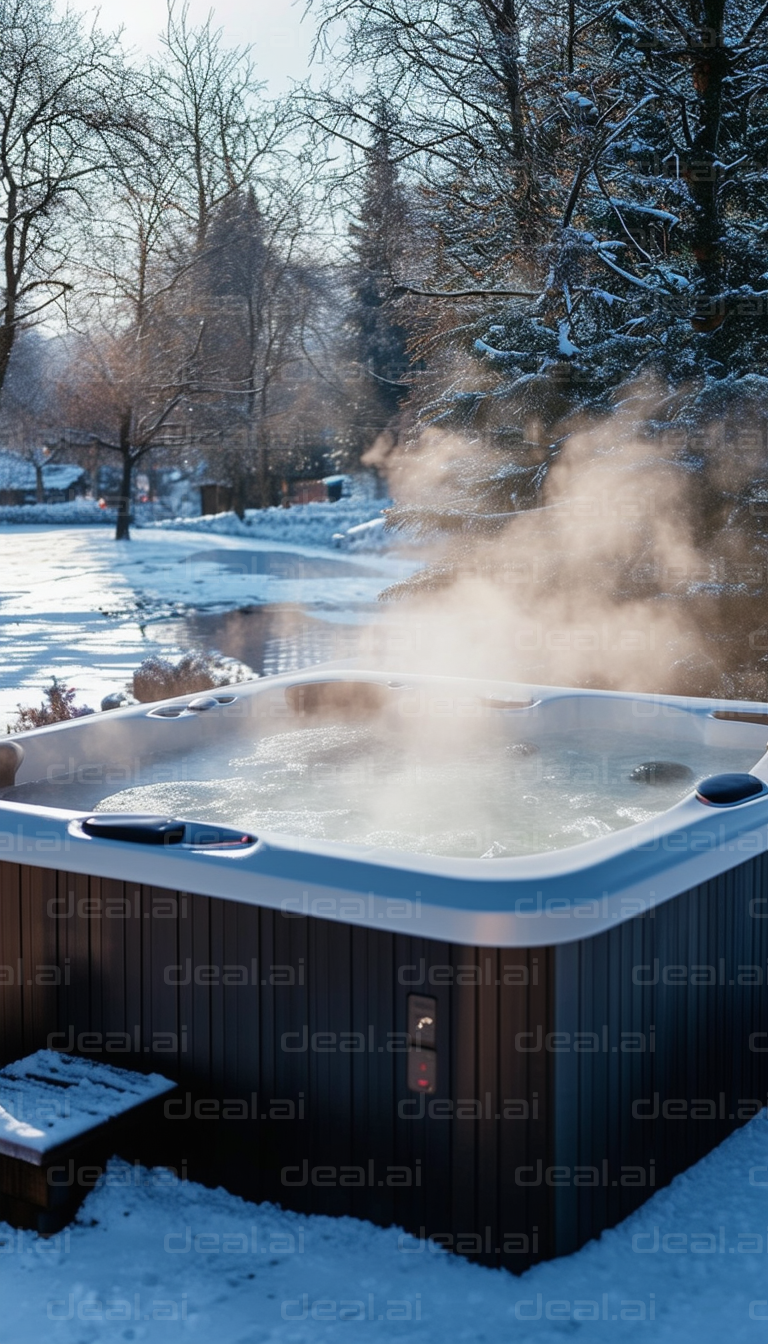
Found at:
(378, 341)
(264, 302)
(598, 192)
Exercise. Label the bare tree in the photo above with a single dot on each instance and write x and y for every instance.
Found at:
(224, 132)
(65, 108)
(197, 293)
(209, 132)
(29, 412)
(132, 373)
(241, 223)
(117, 405)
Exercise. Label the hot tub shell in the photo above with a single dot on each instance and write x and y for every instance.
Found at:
(599, 1013)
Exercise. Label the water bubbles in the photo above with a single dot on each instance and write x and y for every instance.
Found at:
(522, 749)
(460, 795)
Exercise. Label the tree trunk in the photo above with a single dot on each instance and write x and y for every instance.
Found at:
(7, 337)
(262, 448)
(508, 46)
(263, 460)
(710, 71)
(123, 528)
(571, 36)
(39, 487)
(8, 327)
(239, 495)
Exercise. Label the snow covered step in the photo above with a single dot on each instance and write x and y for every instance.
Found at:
(49, 1099)
(61, 1119)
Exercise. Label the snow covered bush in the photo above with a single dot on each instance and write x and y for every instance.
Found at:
(161, 679)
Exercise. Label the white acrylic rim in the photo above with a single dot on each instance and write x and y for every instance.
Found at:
(529, 901)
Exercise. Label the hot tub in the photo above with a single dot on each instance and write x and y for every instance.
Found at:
(476, 959)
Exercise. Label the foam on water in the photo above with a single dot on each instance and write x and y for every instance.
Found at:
(485, 797)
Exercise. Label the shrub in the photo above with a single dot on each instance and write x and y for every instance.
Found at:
(57, 706)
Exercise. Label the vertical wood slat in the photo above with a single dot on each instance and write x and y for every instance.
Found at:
(432, 1140)
(197, 1010)
(11, 964)
(488, 1128)
(565, 1099)
(135, 963)
(514, 1003)
(216, 999)
(113, 963)
(464, 1088)
(40, 971)
(541, 1078)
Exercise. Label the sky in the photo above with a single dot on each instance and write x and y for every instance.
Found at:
(281, 41)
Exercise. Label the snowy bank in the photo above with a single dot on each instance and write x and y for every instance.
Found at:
(370, 536)
(302, 525)
(155, 1258)
(75, 513)
(354, 524)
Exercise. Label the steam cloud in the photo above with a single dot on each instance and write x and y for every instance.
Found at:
(632, 574)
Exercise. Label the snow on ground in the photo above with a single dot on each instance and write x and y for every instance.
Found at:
(153, 1258)
(78, 605)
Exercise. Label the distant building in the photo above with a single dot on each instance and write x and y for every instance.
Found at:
(62, 481)
(215, 497)
(326, 491)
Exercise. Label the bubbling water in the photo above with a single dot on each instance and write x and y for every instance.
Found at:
(358, 784)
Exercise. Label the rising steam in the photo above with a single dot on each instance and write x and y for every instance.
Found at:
(616, 581)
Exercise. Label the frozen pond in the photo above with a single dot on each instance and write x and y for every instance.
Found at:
(76, 605)
(284, 564)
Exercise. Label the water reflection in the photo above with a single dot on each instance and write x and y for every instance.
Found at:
(271, 639)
